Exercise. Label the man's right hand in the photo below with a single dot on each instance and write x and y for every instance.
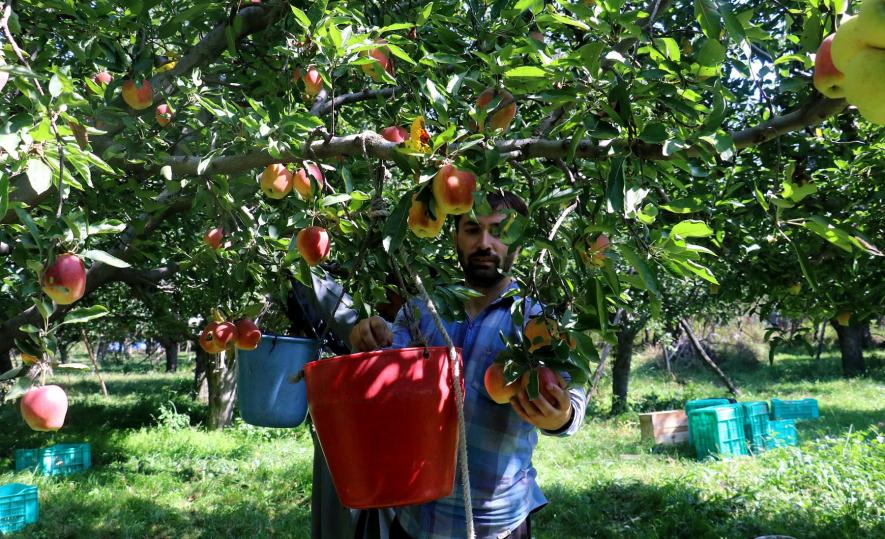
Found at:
(370, 334)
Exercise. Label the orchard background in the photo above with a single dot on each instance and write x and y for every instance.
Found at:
(688, 133)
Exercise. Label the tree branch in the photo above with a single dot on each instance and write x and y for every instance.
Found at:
(323, 107)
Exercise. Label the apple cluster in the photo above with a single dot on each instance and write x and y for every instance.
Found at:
(219, 336)
(277, 181)
(851, 62)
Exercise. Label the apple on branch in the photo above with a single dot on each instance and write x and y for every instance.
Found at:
(138, 97)
(248, 335)
(827, 78)
(420, 222)
(395, 133)
(313, 82)
(65, 279)
(381, 61)
(163, 114)
(301, 182)
(44, 408)
(213, 237)
(453, 190)
(275, 181)
(503, 112)
(313, 244)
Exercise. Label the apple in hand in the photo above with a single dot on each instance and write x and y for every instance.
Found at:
(301, 182)
(496, 385)
(213, 237)
(546, 377)
(44, 408)
(505, 108)
(275, 181)
(163, 114)
(139, 97)
(65, 279)
(248, 335)
(420, 222)
(313, 244)
(453, 190)
(827, 79)
(395, 133)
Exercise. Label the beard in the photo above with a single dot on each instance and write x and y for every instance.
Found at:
(482, 269)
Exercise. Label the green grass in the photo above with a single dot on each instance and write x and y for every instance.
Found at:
(155, 475)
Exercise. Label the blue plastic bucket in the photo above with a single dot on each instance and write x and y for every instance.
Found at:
(266, 395)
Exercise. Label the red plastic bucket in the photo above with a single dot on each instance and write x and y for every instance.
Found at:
(387, 424)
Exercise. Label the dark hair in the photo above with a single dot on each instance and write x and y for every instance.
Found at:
(499, 200)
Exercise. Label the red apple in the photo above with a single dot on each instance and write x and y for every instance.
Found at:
(313, 244)
(44, 408)
(453, 190)
(217, 336)
(213, 237)
(302, 183)
(313, 82)
(395, 133)
(497, 387)
(65, 279)
(276, 181)
(420, 222)
(505, 109)
(248, 335)
(138, 97)
(546, 377)
(103, 78)
(827, 79)
(381, 60)
(163, 114)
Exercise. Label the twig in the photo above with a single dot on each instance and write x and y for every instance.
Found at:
(104, 388)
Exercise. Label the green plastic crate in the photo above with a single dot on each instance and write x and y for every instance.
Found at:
(59, 459)
(781, 433)
(18, 506)
(756, 425)
(795, 409)
(705, 403)
(718, 431)
(697, 404)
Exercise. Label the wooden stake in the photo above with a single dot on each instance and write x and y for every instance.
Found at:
(710, 363)
(104, 388)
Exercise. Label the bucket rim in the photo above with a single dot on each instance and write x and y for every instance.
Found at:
(375, 353)
(289, 338)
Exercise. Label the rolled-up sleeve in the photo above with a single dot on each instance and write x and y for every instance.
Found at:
(578, 398)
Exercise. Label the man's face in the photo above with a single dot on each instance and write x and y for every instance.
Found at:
(484, 257)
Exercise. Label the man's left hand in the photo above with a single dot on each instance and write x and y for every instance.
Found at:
(541, 412)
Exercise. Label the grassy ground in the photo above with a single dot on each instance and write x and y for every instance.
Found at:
(154, 475)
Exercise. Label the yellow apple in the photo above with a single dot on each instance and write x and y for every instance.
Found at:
(865, 84)
(846, 44)
(871, 23)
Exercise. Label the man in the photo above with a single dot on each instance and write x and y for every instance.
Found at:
(500, 438)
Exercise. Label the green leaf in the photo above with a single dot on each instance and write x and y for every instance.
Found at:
(684, 205)
(301, 18)
(334, 199)
(711, 53)
(4, 194)
(654, 133)
(396, 225)
(401, 54)
(691, 228)
(707, 15)
(106, 258)
(699, 270)
(425, 14)
(614, 190)
(39, 175)
(85, 314)
(638, 263)
(526, 72)
(828, 231)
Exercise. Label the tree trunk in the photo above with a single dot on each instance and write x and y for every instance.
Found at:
(867, 336)
(63, 352)
(171, 349)
(5, 361)
(621, 370)
(222, 378)
(851, 344)
(201, 367)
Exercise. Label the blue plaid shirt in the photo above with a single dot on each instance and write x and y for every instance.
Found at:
(499, 442)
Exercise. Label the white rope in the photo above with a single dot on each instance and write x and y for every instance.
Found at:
(462, 430)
